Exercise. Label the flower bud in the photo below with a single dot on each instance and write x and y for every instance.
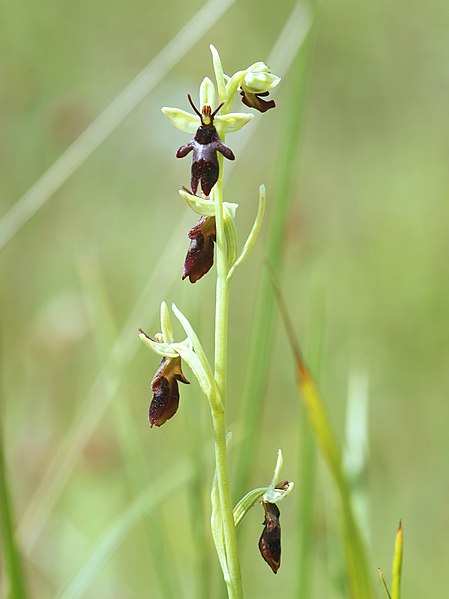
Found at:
(200, 255)
(164, 385)
(256, 83)
(270, 539)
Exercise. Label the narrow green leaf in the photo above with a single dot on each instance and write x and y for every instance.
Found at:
(143, 503)
(384, 582)
(356, 562)
(13, 564)
(308, 458)
(397, 564)
(295, 40)
(136, 465)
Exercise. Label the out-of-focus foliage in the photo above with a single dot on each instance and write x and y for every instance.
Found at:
(368, 226)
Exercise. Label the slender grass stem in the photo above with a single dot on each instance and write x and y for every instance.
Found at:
(397, 564)
(218, 417)
(357, 566)
(13, 564)
(153, 535)
(97, 400)
(263, 322)
(308, 461)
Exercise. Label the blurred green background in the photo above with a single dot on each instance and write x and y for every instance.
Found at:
(366, 237)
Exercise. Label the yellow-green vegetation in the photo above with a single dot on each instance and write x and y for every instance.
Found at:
(92, 232)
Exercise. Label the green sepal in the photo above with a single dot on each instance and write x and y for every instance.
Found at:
(219, 75)
(162, 349)
(166, 327)
(270, 493)
(232, 122)
(182, 120)
(207, 93)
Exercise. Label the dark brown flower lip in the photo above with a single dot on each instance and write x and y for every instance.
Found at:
(200, 254)
(283, 485)
(255, 101)
(270, 539)
(164, 385)
(165, 402)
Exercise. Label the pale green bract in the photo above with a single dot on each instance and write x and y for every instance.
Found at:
(206, 207)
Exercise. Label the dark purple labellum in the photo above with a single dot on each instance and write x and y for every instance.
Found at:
(164, 385)
(200, 255)
(270, 540)
(255, 101)
(205, 145)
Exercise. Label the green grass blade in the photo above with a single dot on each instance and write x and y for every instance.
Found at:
(357, 567)
(397, 564)
(298, 25)
(358, 576)
(146, 501)
(136, 466)
(199, 487)
(355, 454)
(306, 484)
(13, 564)
(384, 582)
(201, 532)
(98, 398)
(308, 462)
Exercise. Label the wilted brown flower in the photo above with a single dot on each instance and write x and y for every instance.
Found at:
(200, 255)
(165, 391)
(270, 539)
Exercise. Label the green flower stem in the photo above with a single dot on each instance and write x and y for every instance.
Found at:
(218, 416)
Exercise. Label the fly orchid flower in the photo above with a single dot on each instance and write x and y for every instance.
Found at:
(164, 385)
(270, 539)
(205, 145)
(200, 255)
